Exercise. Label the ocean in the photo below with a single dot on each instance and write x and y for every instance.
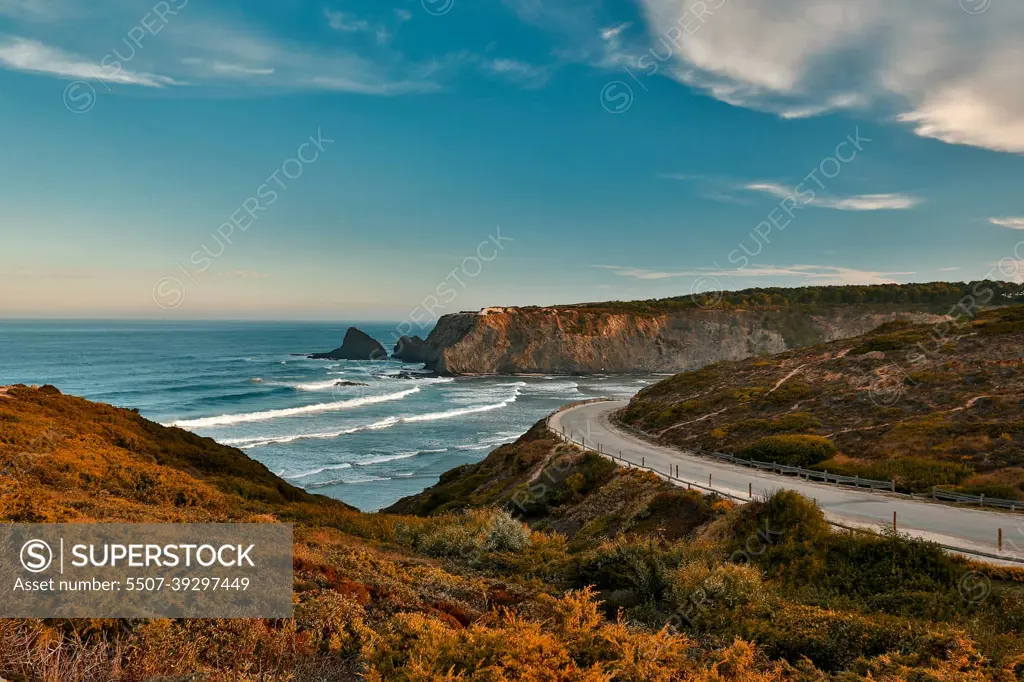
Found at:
(242, 384)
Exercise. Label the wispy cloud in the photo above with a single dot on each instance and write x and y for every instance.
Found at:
(31, 56)
(1012, 223)
(808, 274)
(204, 48)
(712, 187)
(725, 189)
(859, 202)
(641, 273)
(613, 32)
(45, 10)
(345, 22)
(226, 69)
(233, 55)
(383, 31)
(522, 73)
(950, 269)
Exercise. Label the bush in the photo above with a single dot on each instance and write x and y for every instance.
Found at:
(470, 535)
(506, 534)
(707, 593)
(790, 450)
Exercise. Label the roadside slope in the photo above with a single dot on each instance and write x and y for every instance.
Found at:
(919, 404)
(971, 530)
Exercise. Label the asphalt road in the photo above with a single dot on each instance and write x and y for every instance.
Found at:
(957, 527)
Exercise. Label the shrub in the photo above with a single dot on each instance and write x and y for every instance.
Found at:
(506, 534)
(450, 538)
(790, 450)
(707, 593)
(628, 564)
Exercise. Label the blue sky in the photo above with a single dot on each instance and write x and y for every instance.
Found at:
(620, 149)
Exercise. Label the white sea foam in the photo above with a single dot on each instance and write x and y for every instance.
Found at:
(319, 470)
(471, 395)
(363, 378)
(254, 442)
(228, 419)
(505, 437)
(554, 385)
(401, 455)
(337, 481)
(321, 385)
(450, 414)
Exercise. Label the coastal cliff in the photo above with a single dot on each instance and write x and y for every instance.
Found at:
(580, 341)
(680, 334)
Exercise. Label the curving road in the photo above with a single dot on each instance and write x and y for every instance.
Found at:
(969, 530)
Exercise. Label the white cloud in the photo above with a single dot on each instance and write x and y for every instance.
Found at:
(388, 88)
(345, 22)
(523, 73)
(640, 273)
(36, 10)
(31, 56)
(859, 202)
(806, 274)
(226, 69)
(951, 269)
(613, 32)
(951, 75)
(195, 50)
(236, 56)
(1012, 223)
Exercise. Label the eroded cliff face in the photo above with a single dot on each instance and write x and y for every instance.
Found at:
(585, 341)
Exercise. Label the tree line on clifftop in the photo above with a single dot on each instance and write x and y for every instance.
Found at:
(932, 295)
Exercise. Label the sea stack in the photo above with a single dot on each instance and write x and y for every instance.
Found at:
(357, 345)
(411, 349)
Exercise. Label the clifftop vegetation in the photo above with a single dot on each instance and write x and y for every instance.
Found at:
(938, 297)
(922, 404)
(616, 577)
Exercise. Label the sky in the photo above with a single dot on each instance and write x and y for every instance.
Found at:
(356, 160)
